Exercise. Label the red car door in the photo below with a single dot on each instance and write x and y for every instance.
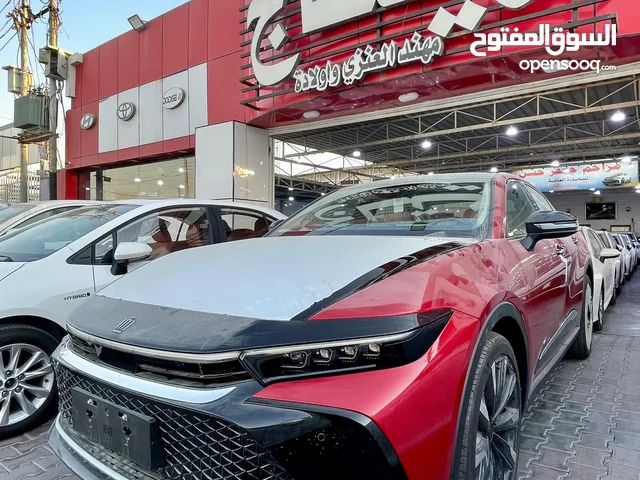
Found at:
(545, 268)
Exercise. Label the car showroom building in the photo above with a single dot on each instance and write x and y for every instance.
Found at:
(285, 100)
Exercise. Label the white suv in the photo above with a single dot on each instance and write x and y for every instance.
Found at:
(48, 269)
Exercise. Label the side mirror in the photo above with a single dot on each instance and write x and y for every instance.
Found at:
(609, 254)
(128, 253)
(545, 225)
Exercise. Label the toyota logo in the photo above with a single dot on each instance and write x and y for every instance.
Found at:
(126, 111)
(87, 121)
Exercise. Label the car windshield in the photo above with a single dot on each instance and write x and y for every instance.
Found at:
(452, 209)
(47, 237)
(7, 213)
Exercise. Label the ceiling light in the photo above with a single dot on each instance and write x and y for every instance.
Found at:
(512, 131)
(181, 170)
(555, 163)
(160, 182)
(597, 192)
(137, 23)
(408, 97)
(393, 177)
(137, 180)
(181, 187)
(291, 199)
(323, 194)
(551, 191)
(87, 189)
(427, 144)
(311, 114)
(357, 153)
(494, 169)
(626, 159)
(430, 173)
(619, 116)
(291, 189)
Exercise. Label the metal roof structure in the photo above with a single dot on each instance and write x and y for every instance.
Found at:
(568, 124)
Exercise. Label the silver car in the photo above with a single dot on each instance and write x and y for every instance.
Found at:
(626, 254)
(610, 242)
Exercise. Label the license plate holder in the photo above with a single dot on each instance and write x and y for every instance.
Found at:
(129, 434)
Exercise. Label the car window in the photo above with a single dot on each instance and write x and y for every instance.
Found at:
(539, 201)
(595, 243)
(605, 239)
(240, 224)
(48, 214)
(439, 208)
(7, 213)
(47, 237)
(519, 209)
(167, 231)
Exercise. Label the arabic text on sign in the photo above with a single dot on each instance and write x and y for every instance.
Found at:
(362, 62)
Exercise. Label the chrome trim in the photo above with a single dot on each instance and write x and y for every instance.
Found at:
(570, 317)
(316, 346)
(136, 385)
(152, 353)
(81, 452)
(555, 226)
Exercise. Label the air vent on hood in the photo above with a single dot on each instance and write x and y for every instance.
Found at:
(166, 371)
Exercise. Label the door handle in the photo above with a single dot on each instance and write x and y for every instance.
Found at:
(576, 240)
(561, 250)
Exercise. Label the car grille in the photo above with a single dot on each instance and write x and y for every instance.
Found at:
(196, 447)
(203, 375)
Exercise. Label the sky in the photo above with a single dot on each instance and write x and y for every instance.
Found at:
(85, 25)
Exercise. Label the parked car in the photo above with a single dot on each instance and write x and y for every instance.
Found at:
(384, 326)
(633, 255)
(51, 267)
(604, 275)
(609, 242)
(636, 245)
(21, 215)
(618, 179)
(625, 255)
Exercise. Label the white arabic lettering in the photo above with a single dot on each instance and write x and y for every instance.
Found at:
(556, 41)
(319, 14)
(369, 60)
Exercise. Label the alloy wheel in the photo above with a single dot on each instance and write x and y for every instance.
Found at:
(498, 424)
(26, 381)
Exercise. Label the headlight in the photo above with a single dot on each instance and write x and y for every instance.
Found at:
(297, 362)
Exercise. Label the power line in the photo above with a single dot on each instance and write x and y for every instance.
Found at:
(15, 34)
(5, 6)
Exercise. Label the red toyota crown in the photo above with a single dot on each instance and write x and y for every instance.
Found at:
(393, 330)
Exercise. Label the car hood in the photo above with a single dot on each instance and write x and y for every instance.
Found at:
(252, 292)
(7, 268)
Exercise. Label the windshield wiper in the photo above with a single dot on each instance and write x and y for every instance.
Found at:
(4, 258)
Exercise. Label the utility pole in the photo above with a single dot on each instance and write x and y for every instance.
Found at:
(25, 22)
(54, 25)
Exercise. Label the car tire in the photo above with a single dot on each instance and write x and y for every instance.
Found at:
(29, 390)
(581, 347)
(598, 325)
(491, 428)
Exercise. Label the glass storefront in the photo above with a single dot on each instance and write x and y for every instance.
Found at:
(166, 179)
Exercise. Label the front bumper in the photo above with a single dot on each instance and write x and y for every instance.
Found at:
(220, 433)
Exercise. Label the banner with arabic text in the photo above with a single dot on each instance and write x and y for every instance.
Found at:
(582, 177)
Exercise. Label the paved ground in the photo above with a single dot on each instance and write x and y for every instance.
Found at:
(584, 424)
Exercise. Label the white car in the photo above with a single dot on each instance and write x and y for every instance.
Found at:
(21, 215)
(625, 256)
(48, 269)
(609, 242)
(604, 274)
